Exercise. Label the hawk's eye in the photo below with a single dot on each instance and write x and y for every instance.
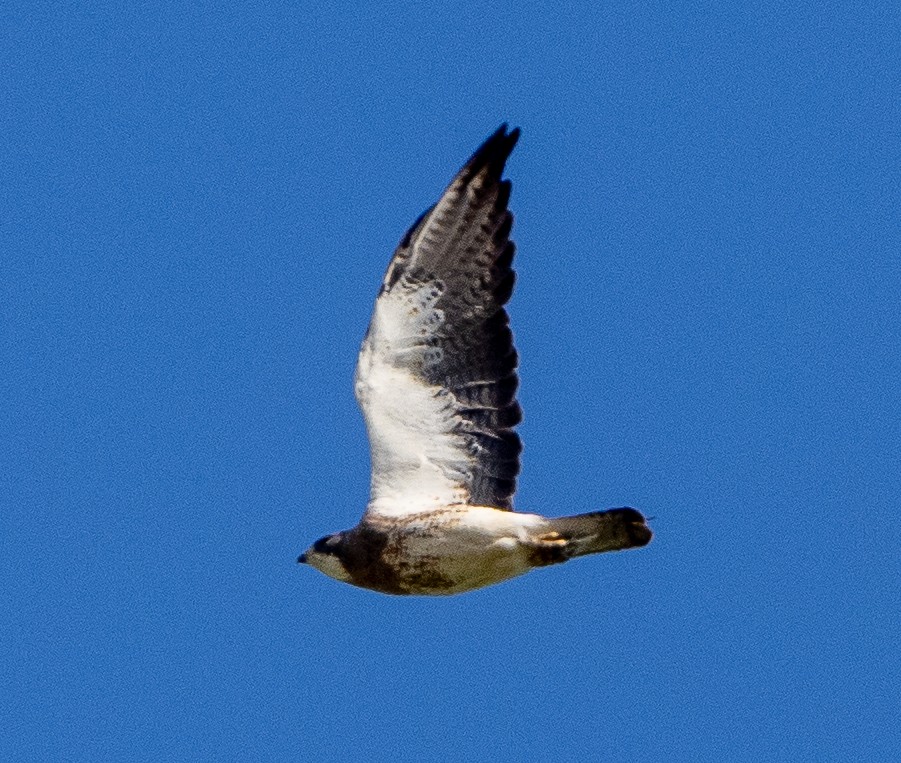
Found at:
(327, 545)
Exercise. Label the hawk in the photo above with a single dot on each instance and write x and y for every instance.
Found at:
(436, 380)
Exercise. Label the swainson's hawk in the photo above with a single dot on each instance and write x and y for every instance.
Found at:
(436, 380)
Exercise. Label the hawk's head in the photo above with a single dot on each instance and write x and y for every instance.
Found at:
(325, 555)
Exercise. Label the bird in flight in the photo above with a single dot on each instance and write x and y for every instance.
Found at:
(436, 381)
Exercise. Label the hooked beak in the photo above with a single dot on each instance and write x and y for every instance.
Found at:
(302, 559)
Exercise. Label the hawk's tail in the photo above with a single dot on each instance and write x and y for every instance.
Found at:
(600, 531)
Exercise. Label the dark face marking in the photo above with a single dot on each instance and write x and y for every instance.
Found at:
(327, 545)
(330, 545)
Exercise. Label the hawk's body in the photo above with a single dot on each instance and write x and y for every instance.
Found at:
(436, 380)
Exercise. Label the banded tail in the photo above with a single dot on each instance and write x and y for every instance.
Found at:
(599, 531)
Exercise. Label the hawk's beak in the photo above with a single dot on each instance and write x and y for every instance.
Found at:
(302, 559)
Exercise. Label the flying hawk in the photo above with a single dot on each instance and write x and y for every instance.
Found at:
(436, 380)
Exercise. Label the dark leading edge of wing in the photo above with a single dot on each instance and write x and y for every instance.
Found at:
(462, 246)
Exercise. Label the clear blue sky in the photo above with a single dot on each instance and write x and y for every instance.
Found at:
(198, 202)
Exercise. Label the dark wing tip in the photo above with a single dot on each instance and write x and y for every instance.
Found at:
(493, 153)
(489, 158)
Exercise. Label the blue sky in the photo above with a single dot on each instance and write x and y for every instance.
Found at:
(198, 203)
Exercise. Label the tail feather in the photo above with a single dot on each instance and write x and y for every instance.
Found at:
(599, 531)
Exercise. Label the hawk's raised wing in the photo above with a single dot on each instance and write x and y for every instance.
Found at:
(436, 378)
